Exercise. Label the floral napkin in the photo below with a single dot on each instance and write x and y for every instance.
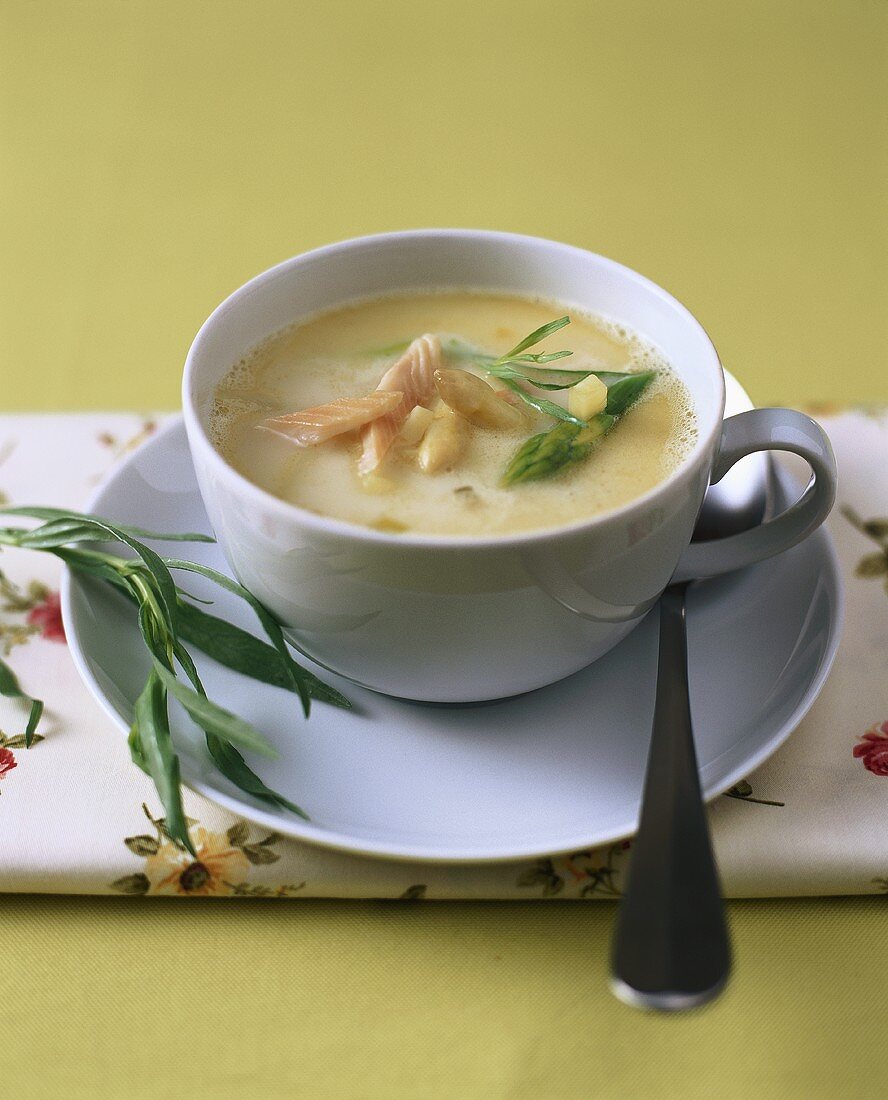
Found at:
(77, 817)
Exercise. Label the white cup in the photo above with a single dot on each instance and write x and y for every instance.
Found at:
(461, 619)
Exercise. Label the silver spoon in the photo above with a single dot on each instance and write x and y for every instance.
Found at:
(671, 948)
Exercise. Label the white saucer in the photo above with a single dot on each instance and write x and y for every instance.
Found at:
(553, 771)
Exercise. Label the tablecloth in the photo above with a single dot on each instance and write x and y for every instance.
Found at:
(76, 816)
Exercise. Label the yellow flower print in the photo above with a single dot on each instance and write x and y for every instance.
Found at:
(217, 870)
(221, 866)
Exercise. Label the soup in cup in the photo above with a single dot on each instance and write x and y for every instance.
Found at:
(402, 461)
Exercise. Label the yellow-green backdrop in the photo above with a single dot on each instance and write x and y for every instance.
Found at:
(155, 155)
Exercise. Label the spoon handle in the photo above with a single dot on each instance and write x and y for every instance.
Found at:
(671, 949)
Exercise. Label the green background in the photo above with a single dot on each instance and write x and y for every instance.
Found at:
(156, 155)
(153, 156)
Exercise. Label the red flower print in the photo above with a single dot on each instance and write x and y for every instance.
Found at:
(7, 762)
(873, 749)
(48, 616)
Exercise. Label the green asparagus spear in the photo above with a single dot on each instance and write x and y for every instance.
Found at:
(549, 452)
(567, 444)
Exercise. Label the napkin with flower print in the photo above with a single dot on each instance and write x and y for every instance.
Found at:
(77, 817)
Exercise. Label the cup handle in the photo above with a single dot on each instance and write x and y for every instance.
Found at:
(766, 430)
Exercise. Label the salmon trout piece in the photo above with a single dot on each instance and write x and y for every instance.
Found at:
(413, 376)
(323, 422)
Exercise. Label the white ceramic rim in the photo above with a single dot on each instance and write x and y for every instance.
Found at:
(287, 511)
(305, 831)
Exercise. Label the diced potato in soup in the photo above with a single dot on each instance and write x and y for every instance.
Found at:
(431, 413)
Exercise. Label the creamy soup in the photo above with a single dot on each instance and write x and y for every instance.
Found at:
(399, 414)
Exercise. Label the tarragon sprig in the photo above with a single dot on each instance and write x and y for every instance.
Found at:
(167, 619)
(519, 368)
(520, 354)
(515, 366)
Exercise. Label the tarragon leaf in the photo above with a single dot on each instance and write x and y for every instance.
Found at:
(35, 512)
(233, 766)
(9, 686)
(542, 404)
(227, 759)
(207, 714)
(542, 378)
(536, 337)
(270, 625)
(242, 652)
(210, 716)
(151, 731)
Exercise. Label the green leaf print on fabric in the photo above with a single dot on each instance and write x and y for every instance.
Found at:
(585, 873)
(872, 566)
(132, 884)
(743, 791)
(120, 448)
(414, 893)
(542, 874)
(18, 741)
